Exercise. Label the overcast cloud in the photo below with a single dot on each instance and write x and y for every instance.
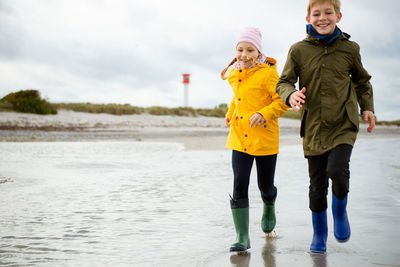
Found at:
(124, 51)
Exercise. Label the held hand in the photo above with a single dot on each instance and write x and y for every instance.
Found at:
(256, 119)
(297, 99)
(369, 116)
(227, 121)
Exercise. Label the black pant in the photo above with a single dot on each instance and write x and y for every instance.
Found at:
(333, 164)
(242, 164)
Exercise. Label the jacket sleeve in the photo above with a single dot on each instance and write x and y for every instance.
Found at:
(286, 84)
(277, 108)
(362, 86)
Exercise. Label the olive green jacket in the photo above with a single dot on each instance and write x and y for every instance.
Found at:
(335, 80)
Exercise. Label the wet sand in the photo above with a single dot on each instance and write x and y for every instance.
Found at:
(147, 190)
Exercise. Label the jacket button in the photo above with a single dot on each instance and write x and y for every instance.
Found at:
(245, 135)
(240, 70)
(241, 117)
(245, 149)
(265, 126)
(323, 65)
(239, 99)
(324, 147)
(323, 93)
(240, 80)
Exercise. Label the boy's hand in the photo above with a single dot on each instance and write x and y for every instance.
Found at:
(369, 116)
(256, 119)
(297, 99)
(227, 121)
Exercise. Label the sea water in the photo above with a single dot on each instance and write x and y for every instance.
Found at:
(127, 203)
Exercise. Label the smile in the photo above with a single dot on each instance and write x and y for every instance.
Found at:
(323, 25)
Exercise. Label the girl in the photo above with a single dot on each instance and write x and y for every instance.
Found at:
(254, 131)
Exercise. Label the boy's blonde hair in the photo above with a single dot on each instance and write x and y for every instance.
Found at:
(336, 5)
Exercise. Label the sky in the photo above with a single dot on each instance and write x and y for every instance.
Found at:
(135, 51)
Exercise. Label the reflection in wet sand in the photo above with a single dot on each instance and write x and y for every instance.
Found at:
(268, 252)
(240, 259)
(319, 260)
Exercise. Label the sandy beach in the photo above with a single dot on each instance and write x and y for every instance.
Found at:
(194, 132)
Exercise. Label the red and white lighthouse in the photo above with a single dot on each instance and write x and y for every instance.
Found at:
(186, 81)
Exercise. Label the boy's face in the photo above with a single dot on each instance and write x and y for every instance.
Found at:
(323, 18)
(246, 54)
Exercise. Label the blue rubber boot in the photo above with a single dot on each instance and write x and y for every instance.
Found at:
(320, 225)
(340, 220)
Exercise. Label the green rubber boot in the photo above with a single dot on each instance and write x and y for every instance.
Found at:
(268, 220)
(241, 220)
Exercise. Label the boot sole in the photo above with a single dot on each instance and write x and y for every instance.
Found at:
(317, 251)
(238, 249)
(342, 240)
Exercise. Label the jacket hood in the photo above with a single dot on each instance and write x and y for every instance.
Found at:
(270, 62)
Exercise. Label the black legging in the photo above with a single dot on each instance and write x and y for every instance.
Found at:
(333, 164)
(242, 164)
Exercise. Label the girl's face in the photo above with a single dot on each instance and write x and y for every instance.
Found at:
(246, 54)
(323, 18)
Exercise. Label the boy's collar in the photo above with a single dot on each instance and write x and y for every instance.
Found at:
(325, 39)
(317, 41)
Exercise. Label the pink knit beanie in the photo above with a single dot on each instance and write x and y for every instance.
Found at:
(252, 35)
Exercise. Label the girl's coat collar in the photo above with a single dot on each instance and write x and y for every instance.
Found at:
(268, 63)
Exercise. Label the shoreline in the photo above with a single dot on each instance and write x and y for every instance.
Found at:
(194, 132)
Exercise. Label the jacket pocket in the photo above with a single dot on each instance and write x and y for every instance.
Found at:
(352, 114)
(303, 123)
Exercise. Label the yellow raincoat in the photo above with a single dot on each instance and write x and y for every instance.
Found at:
(255, 91)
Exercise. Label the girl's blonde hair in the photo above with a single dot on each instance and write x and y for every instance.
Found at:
(223, 72)
(336, 5)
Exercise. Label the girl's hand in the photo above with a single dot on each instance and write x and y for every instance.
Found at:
(369, 116)
(297, 99)
(256, 119)
(227, 121)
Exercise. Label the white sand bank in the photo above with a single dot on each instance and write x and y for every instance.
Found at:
(195, 132)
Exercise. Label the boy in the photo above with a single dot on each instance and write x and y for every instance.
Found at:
(328, 66)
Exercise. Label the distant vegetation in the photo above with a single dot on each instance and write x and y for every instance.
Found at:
(119, 109)
(30, 101)
(123, 109)
(115, 109)
(396, 122)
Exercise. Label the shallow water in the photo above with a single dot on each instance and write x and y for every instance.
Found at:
(157, 204)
